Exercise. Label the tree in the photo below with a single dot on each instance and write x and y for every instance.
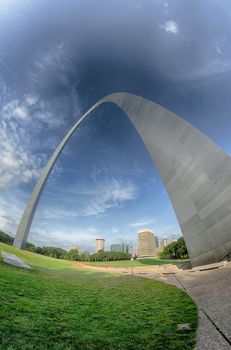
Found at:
(5, 238)
(39, 250)
(83, 256)
(31, 247)
(182, 249)
(109, 256)
(58, 253)
(175, 250)
(73, 255)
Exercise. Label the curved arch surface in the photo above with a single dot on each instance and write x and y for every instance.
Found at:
(195, 171)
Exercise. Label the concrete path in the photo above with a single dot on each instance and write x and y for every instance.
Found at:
(14, 260)
(211, 290)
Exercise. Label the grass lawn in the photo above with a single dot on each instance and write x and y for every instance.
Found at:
(57, 307)
(130, 263)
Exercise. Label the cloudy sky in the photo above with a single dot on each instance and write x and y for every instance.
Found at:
(56, 60)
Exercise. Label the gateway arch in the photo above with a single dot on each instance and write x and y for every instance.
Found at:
(195, 171)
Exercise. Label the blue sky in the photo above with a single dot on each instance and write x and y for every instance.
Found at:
(56, 61)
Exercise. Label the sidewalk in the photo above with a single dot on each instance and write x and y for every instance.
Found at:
(14, 260)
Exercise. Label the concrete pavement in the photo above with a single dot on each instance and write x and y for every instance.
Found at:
(14, 260)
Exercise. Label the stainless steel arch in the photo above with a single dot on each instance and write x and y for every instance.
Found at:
(195, 171)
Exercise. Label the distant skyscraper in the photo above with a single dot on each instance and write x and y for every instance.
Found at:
(122, 248)
(146, 244)
(171, 240)
(163, 243)
(100, 244)
(157, 241)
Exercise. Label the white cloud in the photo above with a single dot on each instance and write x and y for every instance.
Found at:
(10, 212)
(31, 100)
(13, 109)
(96, 200)
(75, 236)
(57, 213)
(170, 27)
(214, 67)
(210, 68)
(112, 193)
(55, 64)
(139, 223)
(219, 45)
(16, 162)
(20, 124)
(114, 230)
(47, 118)
(144, 222)
(82, 237)
(31, 109)
(20, 112)
(218, 49)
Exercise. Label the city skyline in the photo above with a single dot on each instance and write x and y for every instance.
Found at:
(53, 79)
(133, 244)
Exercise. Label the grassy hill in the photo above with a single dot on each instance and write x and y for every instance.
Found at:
(57, 307)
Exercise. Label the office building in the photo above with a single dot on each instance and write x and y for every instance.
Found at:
(121, 248)
(146, 244)
(100, 244)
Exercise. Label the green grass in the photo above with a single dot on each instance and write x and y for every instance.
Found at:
(36, 260)
(57, 307)
(130, 263)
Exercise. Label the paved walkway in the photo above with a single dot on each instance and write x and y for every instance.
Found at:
(14, 260)
(211, 291)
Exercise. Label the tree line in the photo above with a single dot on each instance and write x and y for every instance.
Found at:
(73, 254)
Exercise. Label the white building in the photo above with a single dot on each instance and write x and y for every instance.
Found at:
(100, 242)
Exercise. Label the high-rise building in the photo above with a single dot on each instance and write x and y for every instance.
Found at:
(146, 243)
(157, 241)
(100, 244)
(163, 243)
(171, 240)
(122, 248)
